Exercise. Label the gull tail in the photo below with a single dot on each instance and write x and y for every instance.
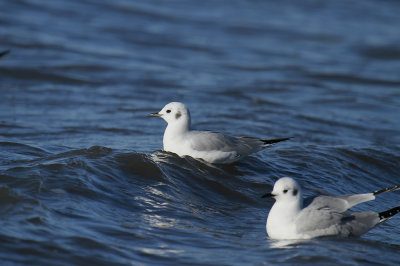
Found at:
(383, 216)
(389, 189)
(272, 141)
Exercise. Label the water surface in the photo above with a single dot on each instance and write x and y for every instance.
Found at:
(83, 180)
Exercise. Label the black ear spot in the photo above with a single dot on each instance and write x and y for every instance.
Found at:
(178, 114)
(295, 192)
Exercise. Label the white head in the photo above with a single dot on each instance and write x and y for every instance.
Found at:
(174, 113)
(280, 222)
(286, 190)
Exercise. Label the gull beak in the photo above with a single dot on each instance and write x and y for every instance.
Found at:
(268, 195)
(154, 115)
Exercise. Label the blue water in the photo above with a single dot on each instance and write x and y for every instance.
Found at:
(83, 180)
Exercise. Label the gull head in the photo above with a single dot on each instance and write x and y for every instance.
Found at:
(174, 112)
(286, 189)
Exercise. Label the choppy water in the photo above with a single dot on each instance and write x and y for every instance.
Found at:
(82, 177)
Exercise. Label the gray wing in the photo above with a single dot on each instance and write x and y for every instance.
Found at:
(358, 223)
(327, 216)
(339, 204)
(353, 200)
(320, 214)
(210, 141)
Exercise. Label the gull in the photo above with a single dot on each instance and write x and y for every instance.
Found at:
(212, 147)
(324, 216)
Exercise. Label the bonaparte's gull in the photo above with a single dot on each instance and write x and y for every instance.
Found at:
(324, 216)
(209, 146)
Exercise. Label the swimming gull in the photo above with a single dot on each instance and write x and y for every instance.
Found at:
(210, 146)
(324, 216)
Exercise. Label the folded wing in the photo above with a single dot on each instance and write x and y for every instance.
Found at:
(210, 141)
(327, 216)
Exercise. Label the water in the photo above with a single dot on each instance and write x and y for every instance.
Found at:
(82, 177)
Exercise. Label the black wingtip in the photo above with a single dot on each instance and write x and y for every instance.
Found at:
(383, 216)
(4, 53)
(272, 141)
(389, 189)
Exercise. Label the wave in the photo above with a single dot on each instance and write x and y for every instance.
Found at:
(88, 197)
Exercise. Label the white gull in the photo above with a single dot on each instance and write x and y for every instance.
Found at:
(324, 216)
(212, 147)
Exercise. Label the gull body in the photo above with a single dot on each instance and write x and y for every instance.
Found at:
(324, 216)
(210, 146)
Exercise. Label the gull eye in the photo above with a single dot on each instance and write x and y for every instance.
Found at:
(168, 111)
(285, 191)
